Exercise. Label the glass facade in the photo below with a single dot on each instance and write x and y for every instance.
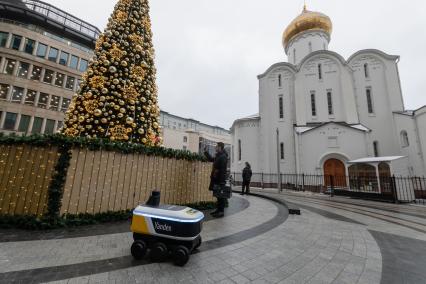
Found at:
(83, 65)
(10, 121)
(4, 91)
(16, 42)
(23, 70)
(53, 54)
(63, 59)
(24, 123)
(74, 62)
(9, 67)
(3, 39)
(41, 50)
(29, 46)
(17, 95)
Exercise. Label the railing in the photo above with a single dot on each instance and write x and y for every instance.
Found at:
(387, 188)
(62, 17)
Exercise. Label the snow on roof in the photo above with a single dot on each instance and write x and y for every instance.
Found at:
(303, 129)
(360, 127)
(375, 160)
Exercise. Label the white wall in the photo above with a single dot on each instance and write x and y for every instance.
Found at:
(421, 128)
(248, 132)
(304, 44)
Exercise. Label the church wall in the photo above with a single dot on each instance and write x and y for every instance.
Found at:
(413, 150)
(304, 44)
(334, 78)
(248, 132)
(270, 92)
(383, 93)
(330, 141)
(421, 128)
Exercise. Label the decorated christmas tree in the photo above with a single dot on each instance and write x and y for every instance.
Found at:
(118, 96)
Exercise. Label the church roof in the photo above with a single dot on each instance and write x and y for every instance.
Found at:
(309, 127)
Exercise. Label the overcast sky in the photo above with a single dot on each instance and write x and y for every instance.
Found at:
(209, 52)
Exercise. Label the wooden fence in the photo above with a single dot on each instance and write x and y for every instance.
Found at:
(97, 181)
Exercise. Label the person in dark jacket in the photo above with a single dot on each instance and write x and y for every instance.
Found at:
(218, 175)
(247, 173)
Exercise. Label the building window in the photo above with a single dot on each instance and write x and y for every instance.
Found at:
(320, 71)
(43, 99)
(54, 103)
(185, 139)
(185, 148)
(10, 121)
(9, 67)
(366, 71)
(17, 95)
(59, 126)
(36, 74)
(70, 83)
(281, 106)
(63, 59)
(65, 104)
(369, 101)
(53, 54)
(294, 56)
(313, 104)
(23, 70)
(376, 148)
(41, 50)
(4, 91)
(279, 81)
(48, 76)
(59, 81)
(3, 39)
(310, 47)
(37, 125)
(83, 65)
(404, 139)
(74, 62)
(239, 150)
(330, 103)
(282, 154)
(24, 123)
(30, 98)
(50, 126)
(29, 46)
(16, 42)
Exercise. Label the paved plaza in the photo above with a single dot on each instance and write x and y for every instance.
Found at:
(335, 240)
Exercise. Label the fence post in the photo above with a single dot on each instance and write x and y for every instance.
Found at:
(393, 186)
(332, 186)
(263, 185)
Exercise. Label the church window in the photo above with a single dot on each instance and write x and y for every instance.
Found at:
(239, 150)
(281, 106)
(310, 47)
(282, 154)
(294, 56)
(279, 80)
(366, 71)
(369, 101)
(313, 104)
(404, 139)
(320, 71)
(376, 148)
(330, 103)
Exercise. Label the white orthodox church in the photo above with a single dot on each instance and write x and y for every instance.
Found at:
(322, 114)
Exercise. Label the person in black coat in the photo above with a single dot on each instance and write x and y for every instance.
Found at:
(218, 175)
(247, 173)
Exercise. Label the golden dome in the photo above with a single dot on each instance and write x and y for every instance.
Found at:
(307, 21)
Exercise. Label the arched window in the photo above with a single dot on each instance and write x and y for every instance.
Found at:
(294, 56)
(320, 71)
(404, 139)
(366, 71)
(376, 148)
(280, 81)
(310, 47)
(239, 150)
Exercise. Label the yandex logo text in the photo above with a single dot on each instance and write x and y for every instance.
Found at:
(162, 227)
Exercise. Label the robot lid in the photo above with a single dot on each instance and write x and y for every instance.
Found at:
(170, 212)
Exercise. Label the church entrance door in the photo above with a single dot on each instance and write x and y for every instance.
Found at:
(334, 172)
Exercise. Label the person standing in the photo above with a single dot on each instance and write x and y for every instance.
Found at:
(218, 176)
(247, 174)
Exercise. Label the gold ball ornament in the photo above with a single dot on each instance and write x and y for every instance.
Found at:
(97, 112)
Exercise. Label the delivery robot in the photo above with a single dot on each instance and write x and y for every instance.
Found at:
(165, 230)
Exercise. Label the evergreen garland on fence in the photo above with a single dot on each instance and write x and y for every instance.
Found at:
(52, 218)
